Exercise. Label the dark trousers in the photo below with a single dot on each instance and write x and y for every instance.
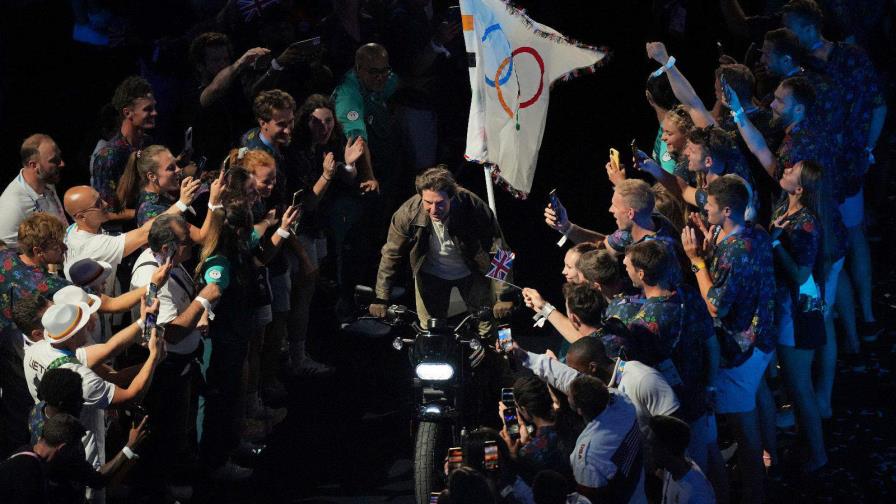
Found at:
(224, 392)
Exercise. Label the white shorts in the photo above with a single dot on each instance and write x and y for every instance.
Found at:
(736, 387)
(853, 209)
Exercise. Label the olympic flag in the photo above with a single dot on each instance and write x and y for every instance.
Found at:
(513, 62)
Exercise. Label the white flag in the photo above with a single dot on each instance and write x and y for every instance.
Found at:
(513, 63)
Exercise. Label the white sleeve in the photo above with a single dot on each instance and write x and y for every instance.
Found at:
(656, 395)
(97, 391)
(556, 373)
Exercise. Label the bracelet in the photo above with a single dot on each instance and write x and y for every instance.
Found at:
(276, 65)
(661, 70)
(181, 206)
(141, 324)
(325, 177)
(207, 305)
(215, 207)
(349, 168)
(776, 243)
(129, 453)
(547, 310)
(283, 233)
(739, 117)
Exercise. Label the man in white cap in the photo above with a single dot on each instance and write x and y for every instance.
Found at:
(65, 333)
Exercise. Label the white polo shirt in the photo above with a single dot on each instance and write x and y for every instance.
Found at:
(97, 392)
(174, 297)
(18, 201)
(96, 246)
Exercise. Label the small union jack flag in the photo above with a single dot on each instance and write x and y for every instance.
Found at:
(251, 8)
(501, 264)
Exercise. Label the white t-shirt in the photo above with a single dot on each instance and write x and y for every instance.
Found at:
(97, 392)
(648, 391)
(18, 201)
(99, 247)
(609, 448)
(444, 258)
(173, 298)
(692, 488)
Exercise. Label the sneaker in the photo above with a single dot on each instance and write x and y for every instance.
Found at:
(310, 367)
(870, 331)
(231, 472)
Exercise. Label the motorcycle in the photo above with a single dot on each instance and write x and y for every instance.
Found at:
(444, 359)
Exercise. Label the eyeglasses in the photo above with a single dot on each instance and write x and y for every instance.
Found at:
(99, 204)
(379, 71)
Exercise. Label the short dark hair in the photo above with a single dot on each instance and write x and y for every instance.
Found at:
(437, 179)
(589, 349)
(785, 43)
(806, 10)
(655, 259)
(740, 78)
(716, 144)
(27, 311)
(599, 266)
(62, 428)
(671, 433)
(661, 91)
(160, 233)
(550, 487)
(203, 42)
(583, 248)
(61, 388)
(730, 191)
(802, 89)
(130, 90)
(585, 302)
(590, 395)
(532, 393)
(267, 102)
(468, 486)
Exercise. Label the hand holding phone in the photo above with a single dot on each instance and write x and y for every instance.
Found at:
(490, 456)
(511, 422)
(614, 158)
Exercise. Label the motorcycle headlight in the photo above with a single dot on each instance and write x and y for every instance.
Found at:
(434, 371)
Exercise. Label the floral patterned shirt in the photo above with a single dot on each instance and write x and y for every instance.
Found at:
(18, 279)
(108, 167)
(543, 451)
(151, 205)
(743, 289)
(801, 237)
(622, 306)
(681, 325)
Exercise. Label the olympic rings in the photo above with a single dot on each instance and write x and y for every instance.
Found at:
(509, 60)
(502, 80)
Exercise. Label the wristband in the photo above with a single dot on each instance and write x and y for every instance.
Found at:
(207, 305)
(547, 310)
(181, 206)
(129, 453)
(141, 324)
(283, 233)
(215, 207)
(276, 65)
(661, 70)
(350, 169)
(739, 117)
(776, 243)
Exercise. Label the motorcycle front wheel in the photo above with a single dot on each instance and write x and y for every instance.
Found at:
(430, 449)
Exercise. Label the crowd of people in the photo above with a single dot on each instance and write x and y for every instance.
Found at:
(146, 319)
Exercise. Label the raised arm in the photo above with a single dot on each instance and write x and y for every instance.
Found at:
(681, 87)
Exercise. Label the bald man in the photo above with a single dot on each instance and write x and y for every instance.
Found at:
(86, 239)
(32, 190)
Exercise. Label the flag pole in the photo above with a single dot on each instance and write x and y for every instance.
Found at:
(490, 189)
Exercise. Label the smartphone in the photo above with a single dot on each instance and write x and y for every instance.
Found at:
(297, 197)
(505, 338)
(719, 48)
(307, 46)
(151, 293)
(507, 396)
(455, 458)
(490, 456)
(200, 166)
(614, 158)
(434, 497)
(553, 199)
(511, 422)
(726, 89)
(188, 140)
(635, 157)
